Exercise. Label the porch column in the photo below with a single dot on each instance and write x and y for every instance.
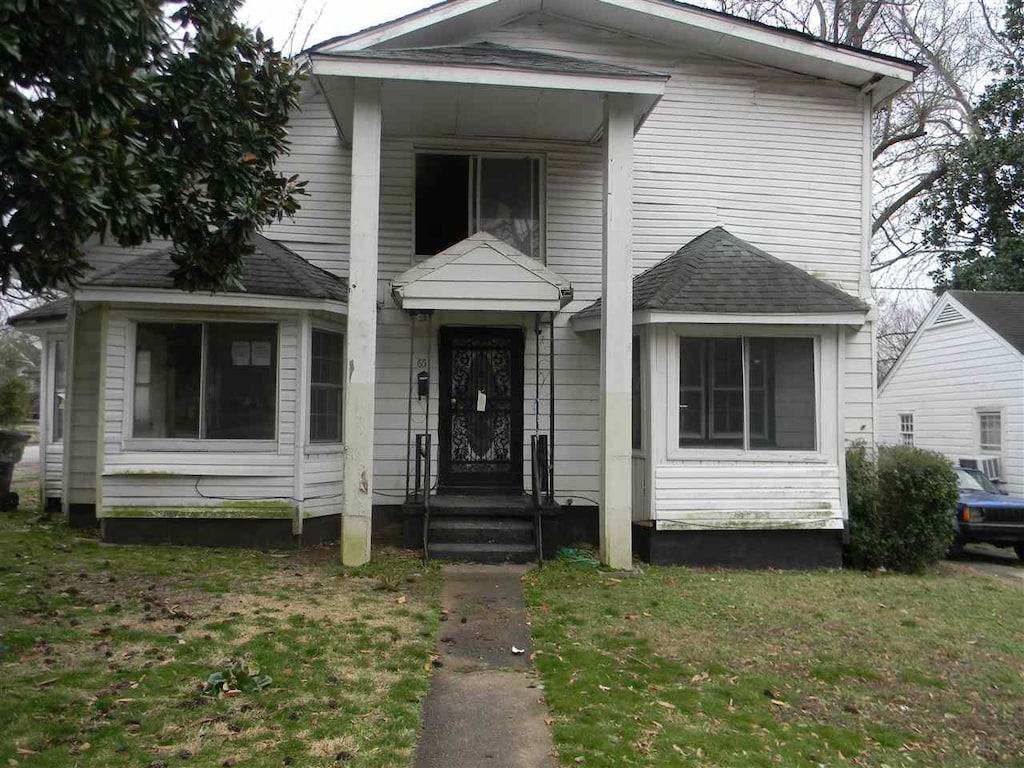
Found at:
(361, 328)
(617, 335)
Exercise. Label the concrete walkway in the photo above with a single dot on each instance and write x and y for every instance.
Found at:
(483, 709)
(994, 561)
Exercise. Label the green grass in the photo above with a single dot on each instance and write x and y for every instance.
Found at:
(104, 652)
(746, 669)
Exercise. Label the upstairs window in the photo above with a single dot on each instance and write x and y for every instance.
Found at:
(459, 195)
(213, 381)
(60, 384)
(906, 429)
(756, 393)
(990, 425)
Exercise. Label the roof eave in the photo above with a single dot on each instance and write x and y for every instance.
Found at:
(226, 300)
(852, 318)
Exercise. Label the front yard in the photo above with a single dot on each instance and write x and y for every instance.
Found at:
(104, 652)
(718, 668)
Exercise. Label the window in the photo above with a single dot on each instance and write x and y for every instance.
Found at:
(214, 381)
(60, 383)
(906, 429)
(459, 195)
(755, 393)
(325, 404)
(638, 398)
(991, 427)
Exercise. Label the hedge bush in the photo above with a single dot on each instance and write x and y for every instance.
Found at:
(901, 500)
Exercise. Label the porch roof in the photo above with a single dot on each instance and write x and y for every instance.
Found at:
(484, 90)
(482, 272)
(271, 270)
(718, 277)
(51, 312)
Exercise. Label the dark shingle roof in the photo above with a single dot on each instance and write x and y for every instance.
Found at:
(270, 270)
(1002, 311)
(719, 273)
(492, 55)
(51, 310)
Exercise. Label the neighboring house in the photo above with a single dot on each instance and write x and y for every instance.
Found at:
(958, 387)
(480, 174)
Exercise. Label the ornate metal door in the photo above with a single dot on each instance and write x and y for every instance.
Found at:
(481, 407)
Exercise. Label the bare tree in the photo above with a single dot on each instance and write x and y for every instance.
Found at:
(898, 321)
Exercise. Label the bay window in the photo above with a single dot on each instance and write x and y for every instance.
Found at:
(214, 381)
(325, 403)
(747, 393)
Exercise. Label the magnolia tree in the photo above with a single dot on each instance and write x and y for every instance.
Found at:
(128, 120)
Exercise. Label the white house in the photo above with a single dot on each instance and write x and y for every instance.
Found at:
(487, 178)
(958, 387)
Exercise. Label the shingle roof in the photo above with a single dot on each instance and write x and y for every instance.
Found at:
(1002, 311)
(493, 55)
(270, 270)
(51, 310)
(719, 273)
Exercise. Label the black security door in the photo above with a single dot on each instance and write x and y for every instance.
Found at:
(481, 413)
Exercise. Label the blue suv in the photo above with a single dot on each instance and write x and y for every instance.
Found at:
(986, 515)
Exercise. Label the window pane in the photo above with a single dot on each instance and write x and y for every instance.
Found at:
(241, 381)
(991, 431)
(59, 388)
(168, 362)
(691, 391)
(638, 409)
(442, 202)
(782, 394)
(510, 201)
(726, 391)
(325, 401)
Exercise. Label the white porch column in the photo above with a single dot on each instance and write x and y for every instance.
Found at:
(361, 330)
(617, 335)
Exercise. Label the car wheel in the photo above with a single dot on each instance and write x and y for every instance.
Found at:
(9, 502)
(1020, 550)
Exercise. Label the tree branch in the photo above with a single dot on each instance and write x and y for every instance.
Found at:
(923, 184)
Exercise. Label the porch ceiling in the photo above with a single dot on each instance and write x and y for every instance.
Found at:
(482, 272)
(484, 90)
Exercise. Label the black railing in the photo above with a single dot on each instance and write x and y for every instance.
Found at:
(422, 484)
(538, 475)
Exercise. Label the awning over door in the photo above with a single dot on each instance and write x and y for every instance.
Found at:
(482, 272)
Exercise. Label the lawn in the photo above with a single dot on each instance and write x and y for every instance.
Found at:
(720, 668)
(104, 652)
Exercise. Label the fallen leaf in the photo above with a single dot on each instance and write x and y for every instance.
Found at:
(401, 600)
(782, 704)
(549, 721)
(666, 705)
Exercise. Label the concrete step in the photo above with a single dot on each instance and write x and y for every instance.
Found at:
(484, 553)
(481, 530)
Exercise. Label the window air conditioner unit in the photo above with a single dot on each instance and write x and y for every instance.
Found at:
(992, 466)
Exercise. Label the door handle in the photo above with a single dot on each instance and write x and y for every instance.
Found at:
(454, 403)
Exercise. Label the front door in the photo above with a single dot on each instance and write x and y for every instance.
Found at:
(480, 431)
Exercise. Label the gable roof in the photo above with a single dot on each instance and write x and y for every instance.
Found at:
(270, 270)
(719, 273)
(498, 56)
(482, 272)
(1002, 311)
(669, 21)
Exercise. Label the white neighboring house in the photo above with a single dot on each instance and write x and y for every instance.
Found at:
(958, 387)
(480, 174)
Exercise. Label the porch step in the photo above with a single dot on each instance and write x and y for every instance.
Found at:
(481, 530)
(484, 553)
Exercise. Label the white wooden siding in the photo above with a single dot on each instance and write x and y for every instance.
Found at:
(697, 497)
(953, 371)
(80, 446)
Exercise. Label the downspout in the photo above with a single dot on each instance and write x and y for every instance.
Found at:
(408, 411)
(551, 415)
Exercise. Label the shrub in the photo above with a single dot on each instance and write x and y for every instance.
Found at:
(901, 503)
(14, 397)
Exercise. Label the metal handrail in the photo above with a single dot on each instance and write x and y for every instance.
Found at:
(535, 448)
(423, 462)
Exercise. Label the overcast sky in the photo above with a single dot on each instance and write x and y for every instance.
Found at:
(321, 19)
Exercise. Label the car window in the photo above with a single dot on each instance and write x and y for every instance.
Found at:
(972, 480)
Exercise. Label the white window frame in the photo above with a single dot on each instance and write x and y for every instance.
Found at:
(982, 445)
(746, 454)
(474, 194)
(50, 402)
(906, 436)
(194, 444)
